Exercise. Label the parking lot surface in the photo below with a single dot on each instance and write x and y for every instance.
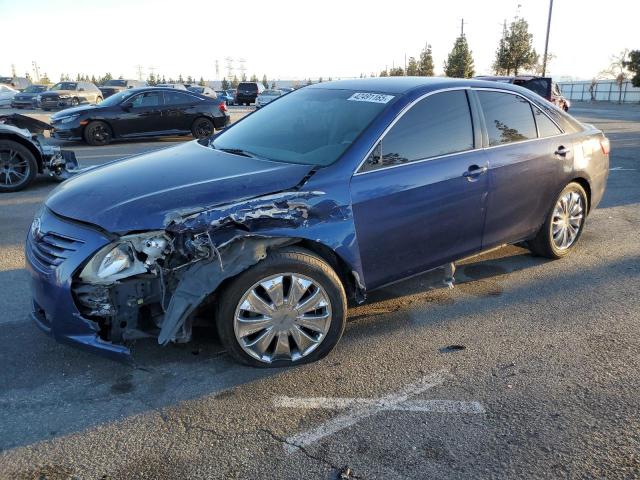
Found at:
(526, 368)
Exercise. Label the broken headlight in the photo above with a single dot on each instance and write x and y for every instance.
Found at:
(118, 259)
(131, 255)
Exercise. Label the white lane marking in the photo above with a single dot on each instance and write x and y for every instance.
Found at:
(359, 409)
(426, 406)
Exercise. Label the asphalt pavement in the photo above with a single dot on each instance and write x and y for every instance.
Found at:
(526, 368)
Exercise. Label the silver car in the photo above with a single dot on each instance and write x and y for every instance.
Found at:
(266, 97)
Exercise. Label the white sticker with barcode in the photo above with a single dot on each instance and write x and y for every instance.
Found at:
(370, 97)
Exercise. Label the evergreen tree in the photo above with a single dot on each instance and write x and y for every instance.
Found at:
(243, 77)
(320, 80)
(273, 85)
(384, 73)
(44, 79)
(515, 50)
(460, 62)
(93, 79)
(225, 84)
(309, 81)
(412, 67)
(234, 82)
(396, 72)
(180, 79)
(190, 80)
(633, 65)
(425, 63)
(265, 82)
(164, 80)
(201, 82)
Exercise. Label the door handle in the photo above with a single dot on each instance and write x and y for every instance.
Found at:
(474, 171)
(561, 151)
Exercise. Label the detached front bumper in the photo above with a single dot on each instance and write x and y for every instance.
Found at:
(55, 249)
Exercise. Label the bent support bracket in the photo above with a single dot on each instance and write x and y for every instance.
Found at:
(204, 277)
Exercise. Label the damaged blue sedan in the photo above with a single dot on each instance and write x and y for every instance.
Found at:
(271, 227)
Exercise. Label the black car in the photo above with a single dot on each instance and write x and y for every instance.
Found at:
(28, 97)
(247, 92)
(111, 87)
(141, 112)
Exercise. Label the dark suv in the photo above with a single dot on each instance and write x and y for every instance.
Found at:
(247, 92)
(117, 85)
(69, 94)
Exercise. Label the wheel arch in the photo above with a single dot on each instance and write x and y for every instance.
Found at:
(584, 183)
(106, 122)
(27, 144)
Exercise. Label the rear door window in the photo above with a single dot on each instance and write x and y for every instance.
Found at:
(147, 99)
(546, 128)
(437, 125)
(177, 98)
(508, 117)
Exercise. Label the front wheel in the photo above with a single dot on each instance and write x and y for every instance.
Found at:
(75, 102)
(18, 166)
(97, 133)
(564, 224)
(289, 309)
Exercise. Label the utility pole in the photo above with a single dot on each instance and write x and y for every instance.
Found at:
(217, 70)
(139, 69)
(13, 70)
(546, 42)
(405, 64)
(462, 27)
(36, 70)
(229, 61)
(242, 68)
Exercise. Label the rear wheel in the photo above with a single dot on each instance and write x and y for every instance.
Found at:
(202, 127)
(97, 133)
(18, 166)
(75, 102)
(289, 309)
(564, 224)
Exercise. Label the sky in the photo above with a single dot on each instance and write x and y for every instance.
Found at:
(297, 39)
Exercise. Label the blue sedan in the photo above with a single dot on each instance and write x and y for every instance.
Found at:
(268, 228)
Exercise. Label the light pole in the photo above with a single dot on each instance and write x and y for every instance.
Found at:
(546, 42)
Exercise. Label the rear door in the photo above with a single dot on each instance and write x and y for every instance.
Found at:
(177, 115)
(524, 169)
(419, 198)
(142, 114)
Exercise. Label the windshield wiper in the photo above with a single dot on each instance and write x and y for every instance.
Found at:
(238, 151)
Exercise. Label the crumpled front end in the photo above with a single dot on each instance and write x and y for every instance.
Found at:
(104, 291)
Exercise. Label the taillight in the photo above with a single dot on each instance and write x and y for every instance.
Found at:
(604, 144)
(222, 107)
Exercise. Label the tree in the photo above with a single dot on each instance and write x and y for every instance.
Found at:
(633, 65)
(618, 70)
(460, 62)
(265, 82)
(384, 73)
(201, 82)
(190, 80)
(412, 67)
(180, 79)
(309, 81)
(515, 50)
(93, 79)
(151, 80)
(425, 63)
(225, 84)
(273, 85)
(396, 72)
(234, 82)
(44, 79)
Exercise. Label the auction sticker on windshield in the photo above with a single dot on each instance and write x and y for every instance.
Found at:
(370, 97)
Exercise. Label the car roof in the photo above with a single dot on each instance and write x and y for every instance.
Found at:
(402, 85)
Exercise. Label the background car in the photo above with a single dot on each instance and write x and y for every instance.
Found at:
(28, 97)
(17, 83)
(206, 91)
(177, 86)
(232, 93)
(7, 95)
(141, 112)
(247, 92)
(286, 89)
(224, 95)
(69, 94)
(116, 85)
(266, 97)
(543, 86)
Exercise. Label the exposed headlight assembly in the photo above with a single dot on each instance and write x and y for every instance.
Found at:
(68, 119)
(131, 255)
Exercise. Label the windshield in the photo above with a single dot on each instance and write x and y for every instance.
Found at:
(64, 86)
(116, 99)
(196, 89)
(116, 83)
(35, 89)
(311, 126)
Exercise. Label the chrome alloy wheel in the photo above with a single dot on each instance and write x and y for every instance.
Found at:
(13, 168)
(568, 216)
(282, 317)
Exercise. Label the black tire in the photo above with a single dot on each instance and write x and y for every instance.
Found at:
(75, 102)
(297, 261)
(22, 163)
(202, 127)
(543, 244)
(97, 133)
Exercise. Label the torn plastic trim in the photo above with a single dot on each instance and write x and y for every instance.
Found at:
(202, 278)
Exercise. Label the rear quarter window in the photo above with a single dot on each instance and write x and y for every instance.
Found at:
(508, 117)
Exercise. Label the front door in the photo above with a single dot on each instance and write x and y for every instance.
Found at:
(419, 199)
(142, 114)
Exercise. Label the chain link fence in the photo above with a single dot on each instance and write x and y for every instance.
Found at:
(600, 91)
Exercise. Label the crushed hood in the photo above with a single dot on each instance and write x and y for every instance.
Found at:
(145, 192)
